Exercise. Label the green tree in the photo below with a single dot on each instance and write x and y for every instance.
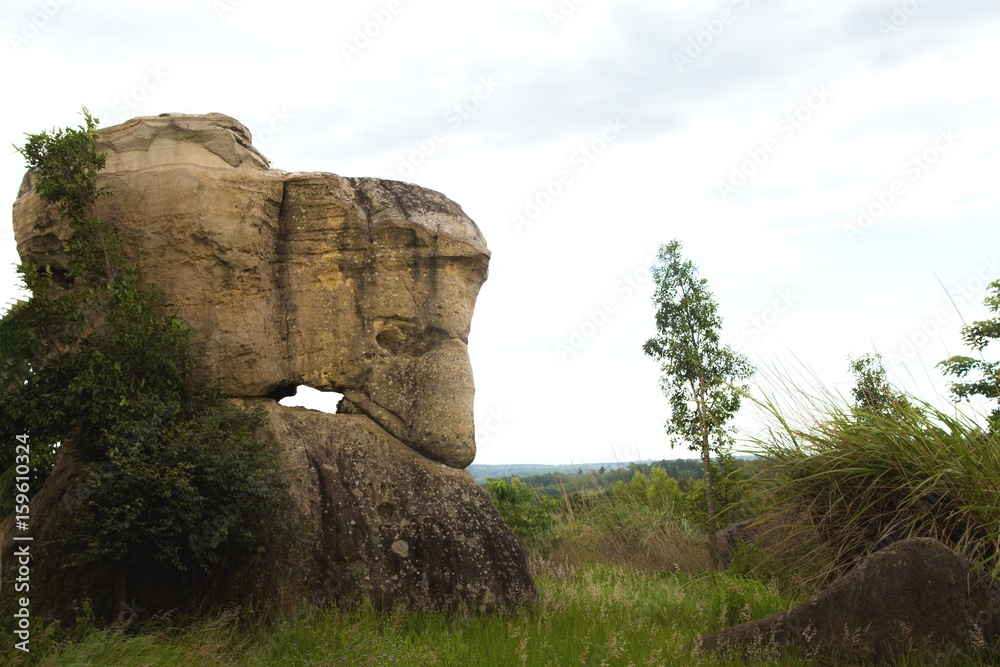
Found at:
(91, 367)
(530, 515)
(663, 489)
(872, 392)
(978, 336)
(638, 488)
(700, 376)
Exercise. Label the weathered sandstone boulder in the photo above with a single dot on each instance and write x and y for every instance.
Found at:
(360, 286)
(915, 595)
(406, 529)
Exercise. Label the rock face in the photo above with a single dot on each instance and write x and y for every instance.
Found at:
(407, 529)
(913, 595)
(360, 286)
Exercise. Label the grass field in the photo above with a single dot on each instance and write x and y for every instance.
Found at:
(594, 615)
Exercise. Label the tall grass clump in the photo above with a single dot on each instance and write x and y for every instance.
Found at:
(624, 530)
(639, 526)
(849, 481)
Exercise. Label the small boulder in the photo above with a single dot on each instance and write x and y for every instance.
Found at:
(915, 595)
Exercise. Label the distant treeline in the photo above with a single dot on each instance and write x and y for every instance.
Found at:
(556, 484)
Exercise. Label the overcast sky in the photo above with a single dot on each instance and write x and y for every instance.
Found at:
(830, 167)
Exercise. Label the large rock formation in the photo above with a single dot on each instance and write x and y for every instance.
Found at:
(360, 286)
(915, 595)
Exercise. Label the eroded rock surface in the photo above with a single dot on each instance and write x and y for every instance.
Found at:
(360, 286)
(407, 529)
(355, 285)
(915, 595)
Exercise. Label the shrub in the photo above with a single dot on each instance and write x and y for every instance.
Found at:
(172, 490)
(851, 486)
(626, 530)
(732, 496)
(529, 514)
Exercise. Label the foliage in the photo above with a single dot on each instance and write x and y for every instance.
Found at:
(529, 514)
(700, 376)
(64, 165)
(664, 491)
(978, 336)
(91, 362)
(178, 486)
(78, 358)
(731, 492)
(659, 490)
(557, 484)
(850, 487)
(639, 487)
(698, 372)
(872, 392)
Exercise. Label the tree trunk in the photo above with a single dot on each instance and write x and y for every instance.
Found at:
(706, 459)
(713, 547)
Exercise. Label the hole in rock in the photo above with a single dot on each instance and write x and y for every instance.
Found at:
(307, 397)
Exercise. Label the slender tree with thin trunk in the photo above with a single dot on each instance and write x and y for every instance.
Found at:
(700, 377)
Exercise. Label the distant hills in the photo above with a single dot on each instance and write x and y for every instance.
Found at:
(481, 471)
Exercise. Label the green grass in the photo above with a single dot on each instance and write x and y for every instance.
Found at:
(631, 533)
(597, 615)
(853, 482)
